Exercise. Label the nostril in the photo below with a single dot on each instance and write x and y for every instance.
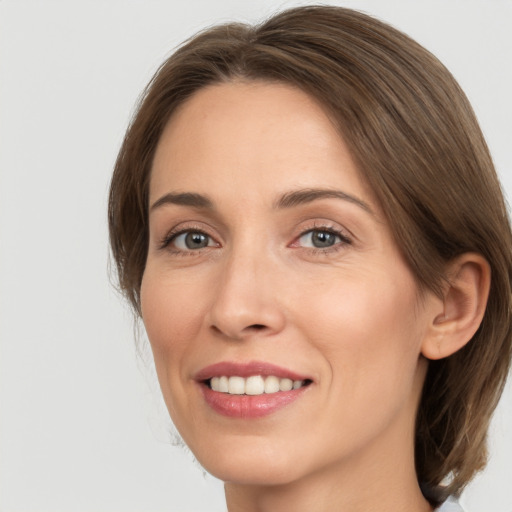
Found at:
(239, 335)
(256, 327)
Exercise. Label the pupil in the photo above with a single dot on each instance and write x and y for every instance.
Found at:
(196, 240)
(322, 239)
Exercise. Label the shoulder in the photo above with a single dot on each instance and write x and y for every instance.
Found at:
(450, 505)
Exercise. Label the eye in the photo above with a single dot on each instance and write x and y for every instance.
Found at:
(191, 240)
(321, 238)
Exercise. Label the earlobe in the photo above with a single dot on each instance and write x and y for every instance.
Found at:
(462, 309)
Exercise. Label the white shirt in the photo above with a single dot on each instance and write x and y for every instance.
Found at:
(450, 505)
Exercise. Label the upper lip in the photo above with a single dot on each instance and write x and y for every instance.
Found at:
(231, 368)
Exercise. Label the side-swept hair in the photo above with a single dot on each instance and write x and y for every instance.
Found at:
(416, 142)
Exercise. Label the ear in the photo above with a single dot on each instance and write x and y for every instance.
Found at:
(462, 309)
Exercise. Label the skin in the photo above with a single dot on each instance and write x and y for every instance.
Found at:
(348, 315)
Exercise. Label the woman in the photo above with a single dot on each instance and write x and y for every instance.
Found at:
(306, 217)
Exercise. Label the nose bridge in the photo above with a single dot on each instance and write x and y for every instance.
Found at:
(245, 301)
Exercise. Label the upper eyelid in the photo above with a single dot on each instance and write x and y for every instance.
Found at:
(330, 226)
(334, 231)
(193, 225)
(341, 233)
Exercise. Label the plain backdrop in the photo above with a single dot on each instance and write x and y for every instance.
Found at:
(82, 425)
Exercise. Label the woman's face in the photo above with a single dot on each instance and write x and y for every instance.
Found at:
(270, 266)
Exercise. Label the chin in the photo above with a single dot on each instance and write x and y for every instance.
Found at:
(251, 466)
(249, 474)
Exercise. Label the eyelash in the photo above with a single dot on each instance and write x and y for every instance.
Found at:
(323, 228)
(344, 240)
(170, 237)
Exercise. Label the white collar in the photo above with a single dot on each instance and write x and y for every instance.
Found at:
(450, 505)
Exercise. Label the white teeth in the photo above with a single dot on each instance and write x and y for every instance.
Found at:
(285, 384)
(236, 386)
(214, 383)
(223, 384)
(271, 384)
(254, 385)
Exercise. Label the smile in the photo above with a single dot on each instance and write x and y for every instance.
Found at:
(254, 385)
(249, 390)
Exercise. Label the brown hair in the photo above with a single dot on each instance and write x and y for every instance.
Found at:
(417, 143)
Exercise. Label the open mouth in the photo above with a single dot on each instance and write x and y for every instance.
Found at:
(254, 385)
(250, 390)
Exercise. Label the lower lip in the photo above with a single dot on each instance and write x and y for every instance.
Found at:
(248, 406)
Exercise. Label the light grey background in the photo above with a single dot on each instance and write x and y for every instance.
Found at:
(82, 426)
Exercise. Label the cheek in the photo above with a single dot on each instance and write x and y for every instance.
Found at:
(367, 331)
(172, 318)
(167, 306)
(172, 315)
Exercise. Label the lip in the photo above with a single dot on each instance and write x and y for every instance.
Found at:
(246, 406)
(230, 368)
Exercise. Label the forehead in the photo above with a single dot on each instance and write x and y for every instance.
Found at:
(251, 136)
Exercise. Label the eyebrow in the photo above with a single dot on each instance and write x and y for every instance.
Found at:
(287, 200)
(184, 199)
(304, 196)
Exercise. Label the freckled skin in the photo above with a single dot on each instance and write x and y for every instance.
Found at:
(348, 314)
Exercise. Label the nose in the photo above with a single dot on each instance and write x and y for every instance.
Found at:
(247, 299)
